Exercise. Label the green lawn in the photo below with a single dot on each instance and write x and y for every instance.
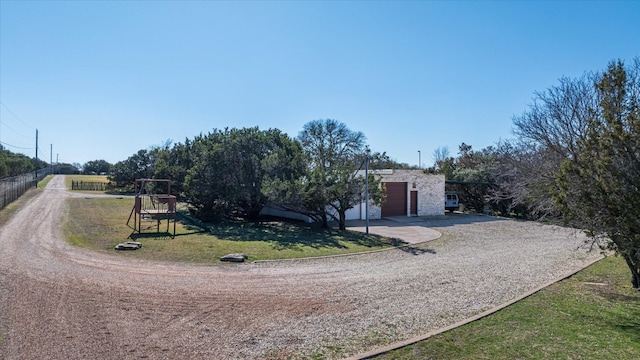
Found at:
(592, 315)
(101, 223)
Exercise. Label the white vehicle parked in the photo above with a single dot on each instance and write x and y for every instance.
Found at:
(451, 202)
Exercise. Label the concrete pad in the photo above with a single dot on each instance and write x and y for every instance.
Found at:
(411, 232)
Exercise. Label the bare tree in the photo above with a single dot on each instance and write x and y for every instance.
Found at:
(558, 117)
(440, 154)
(523, 175)
(548, 133)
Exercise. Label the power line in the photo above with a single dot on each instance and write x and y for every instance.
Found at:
(9, 127)
(12, 129)
(16, 116)
(16, 147)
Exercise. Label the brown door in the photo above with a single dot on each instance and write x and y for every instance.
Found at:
(414, 203)
(396, 202)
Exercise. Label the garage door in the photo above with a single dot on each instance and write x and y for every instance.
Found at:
(396, 201)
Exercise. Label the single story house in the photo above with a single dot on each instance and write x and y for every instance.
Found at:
(408, 193)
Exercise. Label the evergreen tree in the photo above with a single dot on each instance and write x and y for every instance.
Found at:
(599, 188)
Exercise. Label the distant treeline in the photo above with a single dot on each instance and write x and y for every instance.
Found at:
(12, 164)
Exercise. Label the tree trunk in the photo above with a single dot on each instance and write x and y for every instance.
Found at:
(325, 222)
(635, 272)
(342, 224)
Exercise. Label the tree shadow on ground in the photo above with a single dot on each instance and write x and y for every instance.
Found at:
(293, 235)
(158, 235)
(630, 327)
(625, 322)
(135, 236)
(451, 219)
(151, 233)
(416, 250)
(622, 309)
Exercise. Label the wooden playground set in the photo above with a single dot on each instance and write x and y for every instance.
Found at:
(153, 202)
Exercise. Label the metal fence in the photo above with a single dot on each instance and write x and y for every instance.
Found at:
(12, 188)
(89, 185)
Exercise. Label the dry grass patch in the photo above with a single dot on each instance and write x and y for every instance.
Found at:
(89, 178)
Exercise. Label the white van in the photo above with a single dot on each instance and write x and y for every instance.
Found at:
(451, 202)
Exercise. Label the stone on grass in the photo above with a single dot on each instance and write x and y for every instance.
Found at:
(129, 245)
(235, 257)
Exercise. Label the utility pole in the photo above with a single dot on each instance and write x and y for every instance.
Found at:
(419, 160)
(51, 158)
(35, 171)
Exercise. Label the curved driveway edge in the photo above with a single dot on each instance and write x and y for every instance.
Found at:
(401, 344)
(407, 229)
(77, 304)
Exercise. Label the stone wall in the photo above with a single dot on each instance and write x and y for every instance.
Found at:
(430, 190)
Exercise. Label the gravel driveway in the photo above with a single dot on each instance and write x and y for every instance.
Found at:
(62, 302)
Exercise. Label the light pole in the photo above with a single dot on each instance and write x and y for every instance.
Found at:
(366, 192)
(419, 160)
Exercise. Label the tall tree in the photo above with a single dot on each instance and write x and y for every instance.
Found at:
(203, 182)
(173, 163)
(599, 187)
(334, 156)
(137, 166)
(521, 180)
(476, 171)
(548, 133)
(229, 168)
(285, 175)
(96, 167)
(380, 160)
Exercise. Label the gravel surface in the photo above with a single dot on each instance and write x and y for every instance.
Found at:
(61, 302)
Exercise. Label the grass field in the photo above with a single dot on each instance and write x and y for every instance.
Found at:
(593, 315)
(100, 224)
(87, 178)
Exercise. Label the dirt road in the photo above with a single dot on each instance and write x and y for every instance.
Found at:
(61, 302)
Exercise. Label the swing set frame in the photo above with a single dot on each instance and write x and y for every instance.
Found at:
(153, 202)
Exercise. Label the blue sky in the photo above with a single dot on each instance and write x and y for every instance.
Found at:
(102, 80)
